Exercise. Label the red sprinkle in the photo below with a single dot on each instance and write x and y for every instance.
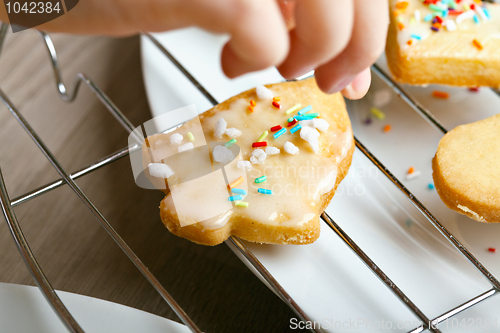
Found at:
(259, 144)
(440, 94)
(292, 122)
(440, 20)
(276, 128)
(472, 6)
(276, 105)
(492, 249)
(474, 89)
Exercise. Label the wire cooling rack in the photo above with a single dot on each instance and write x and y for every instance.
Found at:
(67, 178)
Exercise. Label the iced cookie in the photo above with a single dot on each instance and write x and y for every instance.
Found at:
(277, 155)
(444, 42)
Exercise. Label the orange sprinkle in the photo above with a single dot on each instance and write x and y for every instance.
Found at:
(276, 99)
(398, 12)
(401, 26)
(237, 182)
(440, 94)
(250, 108)
(411, 170)
(402, 5)
(409, 42)
(437, 25)
(253, 103)
(387, 128)
(477, 44)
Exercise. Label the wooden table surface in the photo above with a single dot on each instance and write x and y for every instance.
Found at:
(210, 283)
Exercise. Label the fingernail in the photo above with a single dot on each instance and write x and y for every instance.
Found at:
(348, 90)
(340, 86)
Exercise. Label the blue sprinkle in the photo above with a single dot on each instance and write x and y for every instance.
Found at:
(487, 12)
(239, 191)
(476, 19)
(264, 191)
(445, 13)
(427, 18)
(304, 110)
(295, 128)
(416, 36)
(235, 198)
(431, 186)
(279, 133)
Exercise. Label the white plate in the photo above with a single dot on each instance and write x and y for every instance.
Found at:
(24, 309)
(326, 279)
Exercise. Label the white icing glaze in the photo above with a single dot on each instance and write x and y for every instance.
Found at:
(297, 181)
(489, 28)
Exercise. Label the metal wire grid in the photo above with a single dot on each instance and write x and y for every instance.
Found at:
(68, 178)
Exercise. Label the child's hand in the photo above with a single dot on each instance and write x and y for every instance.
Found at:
(338, 38)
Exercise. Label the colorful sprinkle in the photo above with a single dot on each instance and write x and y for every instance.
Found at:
(259, 144)
(440, 94)
(311, 115)
(190, 136)
(293, 108)
(235, 198)
(293, 122)
(304, 110)
(409, 42)
(237, 182)
(304, 117)
(401, 26)
(253, 103)
(492, 249)
(402, 5)
(387, 128)
(411, 170)
(295, 129)
(262, 136)
(260, 179)
(279, 133)
(427, 18)
(474, 89)
(250, 108)
(264, 191)
(368, 121)
(242, 204)
(290, 119)
(276, 128)
(239, 191)
(377, 113)
(431, 186)
(276, 99)
(230, 143)
(477, 44)
(276, 105)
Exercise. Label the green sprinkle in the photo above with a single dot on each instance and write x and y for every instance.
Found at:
(263, 136)
(293, 109)
(377, 113)
(311, 115)
(260, 179)
(290, 119)
(190, 136)
(241, 204)
(230, 143)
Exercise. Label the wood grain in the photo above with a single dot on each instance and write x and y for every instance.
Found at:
(77, 255)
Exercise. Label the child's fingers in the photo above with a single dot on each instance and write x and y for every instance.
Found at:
(322, 30)
(359, 86)
(259, 38)
(366, 45)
